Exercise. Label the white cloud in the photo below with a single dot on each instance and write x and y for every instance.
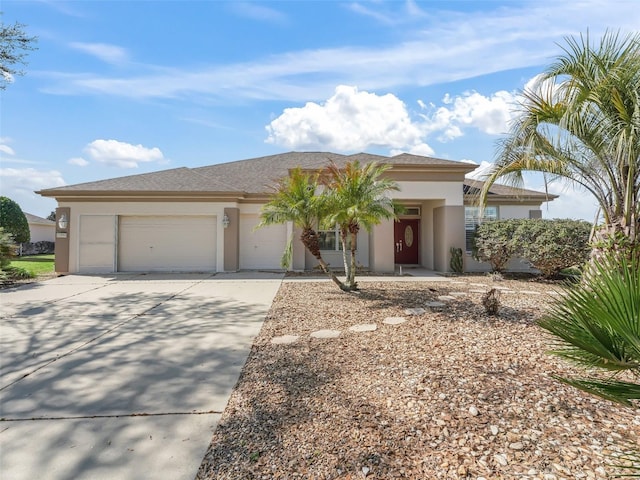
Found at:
(349, 121)
(121, 154)
(571, 203)
(19, 185)
(7, 149)
(489, 115)
(479, 172)
(258, 12)
(78, 161)
(447, 46)
(103, 51)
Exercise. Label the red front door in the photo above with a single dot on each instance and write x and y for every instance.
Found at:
(406, 241)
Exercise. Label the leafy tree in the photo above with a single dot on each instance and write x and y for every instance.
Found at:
(13, 220)
(14, 45)
(553, 245)
(52, 216)
(494, 243)
(356, 198)
(581, 124)
(295, 199)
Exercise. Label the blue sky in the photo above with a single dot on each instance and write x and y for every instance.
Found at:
(124, 87)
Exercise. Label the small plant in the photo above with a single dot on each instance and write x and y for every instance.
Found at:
(496, 276)
(19, 273)
(491, 302)
(456, 260)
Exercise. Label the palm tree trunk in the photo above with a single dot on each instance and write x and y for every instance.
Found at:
(345, 261)
(309, 239)
(352, 272)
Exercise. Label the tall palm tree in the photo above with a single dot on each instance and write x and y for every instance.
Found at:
(295, 199)
(581, 124)
(357, 197)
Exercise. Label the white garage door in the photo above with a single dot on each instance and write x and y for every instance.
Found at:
(97, 238)
(261, 248)
(167, 244)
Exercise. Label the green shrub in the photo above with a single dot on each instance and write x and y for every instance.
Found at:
(456, 262)
(553, 245)
(13, 220)
(7, 249)
(19, 273)
(494, 243)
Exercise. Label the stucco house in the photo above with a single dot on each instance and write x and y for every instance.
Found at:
(204, 219)
(40, 229)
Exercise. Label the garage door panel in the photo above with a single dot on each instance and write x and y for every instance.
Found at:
(97, 244)
(178, 244)
(262, 247)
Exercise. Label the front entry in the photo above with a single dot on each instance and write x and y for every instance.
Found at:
(406, 240)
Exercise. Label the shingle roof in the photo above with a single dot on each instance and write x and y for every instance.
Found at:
(36, 219)
(175, 180)
(472, 187)
(254, 175)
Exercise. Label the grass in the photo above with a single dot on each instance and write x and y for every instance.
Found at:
(35, 264)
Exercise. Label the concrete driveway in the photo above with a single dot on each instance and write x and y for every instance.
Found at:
(123, 376)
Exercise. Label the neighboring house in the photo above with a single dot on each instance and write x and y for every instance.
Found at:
(204, 219)
(41, 229)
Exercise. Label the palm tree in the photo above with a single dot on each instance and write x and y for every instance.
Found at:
(357, 197)
(597, 326)
(581, 124)
(295, 199)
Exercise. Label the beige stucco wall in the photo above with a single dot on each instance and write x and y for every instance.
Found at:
(449, 192)
(448, 224)
(382, 248)
(42, 233)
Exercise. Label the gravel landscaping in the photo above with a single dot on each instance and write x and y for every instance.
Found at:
(435, 390)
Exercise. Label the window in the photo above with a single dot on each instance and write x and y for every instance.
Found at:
(472, 219)
(330, 240)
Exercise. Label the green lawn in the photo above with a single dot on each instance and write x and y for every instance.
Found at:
(36, 264)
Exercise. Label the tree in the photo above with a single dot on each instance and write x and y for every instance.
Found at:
(295, 199)
(14, 45)
(357, 197)
(52, 216)
(13, 220)
(581, 124)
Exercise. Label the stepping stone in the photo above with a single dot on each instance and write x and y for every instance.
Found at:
(501, 288)
(457, 282)
(394, 320)
(325, 334)
(478, 284)
(445, 298)
(458, 294)
(478, 291)
(364, 327)
(530, 292)
(285, 339)
(436, 304)
(415, 311)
